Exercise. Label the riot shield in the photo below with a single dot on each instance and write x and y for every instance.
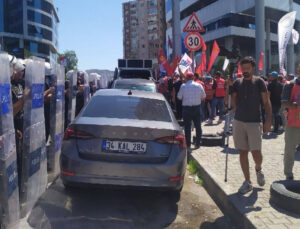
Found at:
(56, 121)
(9, 191)
(34, 164)
(86, 88)
(72, 78)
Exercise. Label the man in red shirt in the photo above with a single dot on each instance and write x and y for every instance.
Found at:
(197, 79)
(218, 98)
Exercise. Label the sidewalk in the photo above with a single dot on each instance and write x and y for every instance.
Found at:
(252, 210)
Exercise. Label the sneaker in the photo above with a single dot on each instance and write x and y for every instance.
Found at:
(246, 187)
(260, 178)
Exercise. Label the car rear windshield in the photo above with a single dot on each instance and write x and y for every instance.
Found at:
(138, 74)
(136, 87)
(124, 107)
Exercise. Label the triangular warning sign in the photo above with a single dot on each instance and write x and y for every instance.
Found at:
(193, 25)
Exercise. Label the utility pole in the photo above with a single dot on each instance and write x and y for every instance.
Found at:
(176, 28)
(290, 49)
(260, 32)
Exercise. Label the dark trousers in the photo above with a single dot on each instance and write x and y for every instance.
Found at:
(190, 114)
(207, 109)
(178, 109)
(277, 117)
(217, 102)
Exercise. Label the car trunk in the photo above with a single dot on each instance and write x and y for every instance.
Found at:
(95, 137)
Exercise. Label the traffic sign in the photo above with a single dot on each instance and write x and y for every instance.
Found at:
(193, 41)
(193, 25)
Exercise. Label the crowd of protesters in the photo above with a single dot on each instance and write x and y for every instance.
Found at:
(273, 100)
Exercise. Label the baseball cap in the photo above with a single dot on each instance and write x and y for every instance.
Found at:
(163, 73)
(275, 74)
(190, 75)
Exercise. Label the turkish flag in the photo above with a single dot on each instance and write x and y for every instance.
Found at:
(215, 52)
(164, 62)
(261, 62)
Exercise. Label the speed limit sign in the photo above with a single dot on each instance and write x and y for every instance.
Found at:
(193, 41)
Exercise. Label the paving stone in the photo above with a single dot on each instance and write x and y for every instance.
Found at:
(256, 204)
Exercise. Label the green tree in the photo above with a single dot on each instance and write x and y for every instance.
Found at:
(72, 60)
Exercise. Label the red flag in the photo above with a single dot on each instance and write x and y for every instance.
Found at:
(165, 63)
(202, 66)
(175, 62)
(239, 68)
(199, 70)
(170, 43)
(261, 62)
(203, 61)
(215, 52)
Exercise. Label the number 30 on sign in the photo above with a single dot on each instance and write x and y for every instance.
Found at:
(193, 41)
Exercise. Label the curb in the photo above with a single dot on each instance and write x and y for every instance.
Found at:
(222, 200)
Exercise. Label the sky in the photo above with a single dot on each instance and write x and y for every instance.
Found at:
(93, 29)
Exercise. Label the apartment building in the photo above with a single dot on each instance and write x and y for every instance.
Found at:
(144, 29)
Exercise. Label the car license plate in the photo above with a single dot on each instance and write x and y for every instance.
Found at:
(124, 147)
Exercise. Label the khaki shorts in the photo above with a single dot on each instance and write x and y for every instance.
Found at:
(247, 135)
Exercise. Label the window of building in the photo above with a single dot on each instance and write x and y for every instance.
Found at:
(39, 32)
(36, 47)
(153, 36)
(11, 16)
(39, 18)
(152, 3)
(152, 11)
(143, 46)
(198, 5)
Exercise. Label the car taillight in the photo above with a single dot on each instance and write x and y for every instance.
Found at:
(70, 133)
(177, 140)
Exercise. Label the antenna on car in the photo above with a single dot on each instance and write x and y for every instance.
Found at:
(130, 92)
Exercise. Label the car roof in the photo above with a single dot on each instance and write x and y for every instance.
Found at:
(124, 92)
(134, 81)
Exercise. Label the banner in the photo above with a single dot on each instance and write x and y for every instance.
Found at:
(261, 61)
(164, 62)
(185, 63)
(295, 37)
(285, 27)
(215, 52)
(225, 65)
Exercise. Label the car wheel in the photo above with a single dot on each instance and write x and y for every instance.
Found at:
(286, 195)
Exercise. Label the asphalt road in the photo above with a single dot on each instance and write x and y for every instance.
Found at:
(95, 208)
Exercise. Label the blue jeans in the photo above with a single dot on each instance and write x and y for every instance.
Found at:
(192, 114)
(215, 102)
